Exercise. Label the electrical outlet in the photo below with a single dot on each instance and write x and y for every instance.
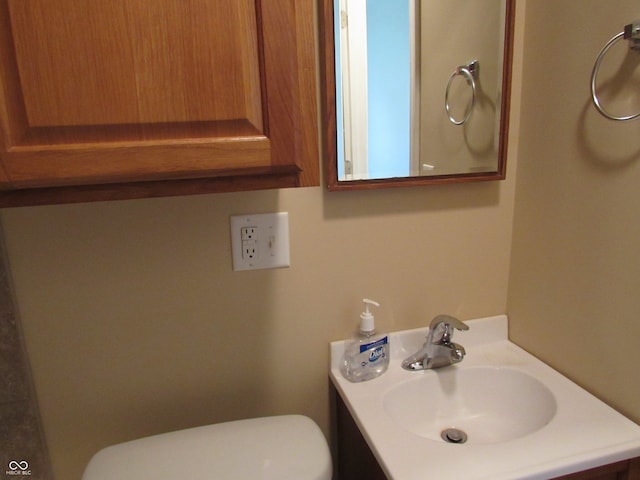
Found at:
(247, 234)
(249, 238)
(260, 241)
(249, 251)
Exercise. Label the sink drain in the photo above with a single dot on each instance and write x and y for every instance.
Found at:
(453, 435)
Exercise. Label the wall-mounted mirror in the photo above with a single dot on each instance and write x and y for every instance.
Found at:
(416, 91)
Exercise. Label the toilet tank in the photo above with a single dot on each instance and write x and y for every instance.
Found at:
(289, 447)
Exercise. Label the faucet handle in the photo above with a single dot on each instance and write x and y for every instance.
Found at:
(448, 320)
(443, 325)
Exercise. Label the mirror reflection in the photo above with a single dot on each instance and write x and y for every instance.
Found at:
(421, 89)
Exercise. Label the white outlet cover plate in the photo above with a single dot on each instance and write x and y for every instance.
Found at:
(272, 241)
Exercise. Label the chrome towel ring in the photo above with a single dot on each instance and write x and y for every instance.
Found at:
(631, 32)
(470, 72)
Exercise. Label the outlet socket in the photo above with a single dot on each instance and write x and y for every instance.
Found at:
(249, 239)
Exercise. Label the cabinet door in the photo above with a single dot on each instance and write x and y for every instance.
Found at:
(111, 91)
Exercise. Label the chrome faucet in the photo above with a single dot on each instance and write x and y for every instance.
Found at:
(438, 351)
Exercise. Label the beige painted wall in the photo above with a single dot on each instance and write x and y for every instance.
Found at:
(574, 291)
(136, 324)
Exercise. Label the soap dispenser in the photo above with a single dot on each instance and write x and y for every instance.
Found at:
(366, 356)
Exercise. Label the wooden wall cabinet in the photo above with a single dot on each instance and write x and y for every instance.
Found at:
(124, 99)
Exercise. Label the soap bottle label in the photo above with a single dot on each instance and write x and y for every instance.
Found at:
(377, 349)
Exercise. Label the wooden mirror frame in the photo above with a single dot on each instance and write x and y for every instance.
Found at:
(329, 123)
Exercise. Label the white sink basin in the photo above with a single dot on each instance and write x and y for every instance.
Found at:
(488, 404)
(523, 420)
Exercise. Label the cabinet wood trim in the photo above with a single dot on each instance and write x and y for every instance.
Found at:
(259, 180)
(613, 471)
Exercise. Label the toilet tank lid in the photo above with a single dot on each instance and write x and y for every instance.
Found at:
(282, 447)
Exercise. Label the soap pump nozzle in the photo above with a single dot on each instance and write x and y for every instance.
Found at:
(366, 318)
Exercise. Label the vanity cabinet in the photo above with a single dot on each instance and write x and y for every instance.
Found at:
(355, 460)
(626, 470)
(124, 99)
